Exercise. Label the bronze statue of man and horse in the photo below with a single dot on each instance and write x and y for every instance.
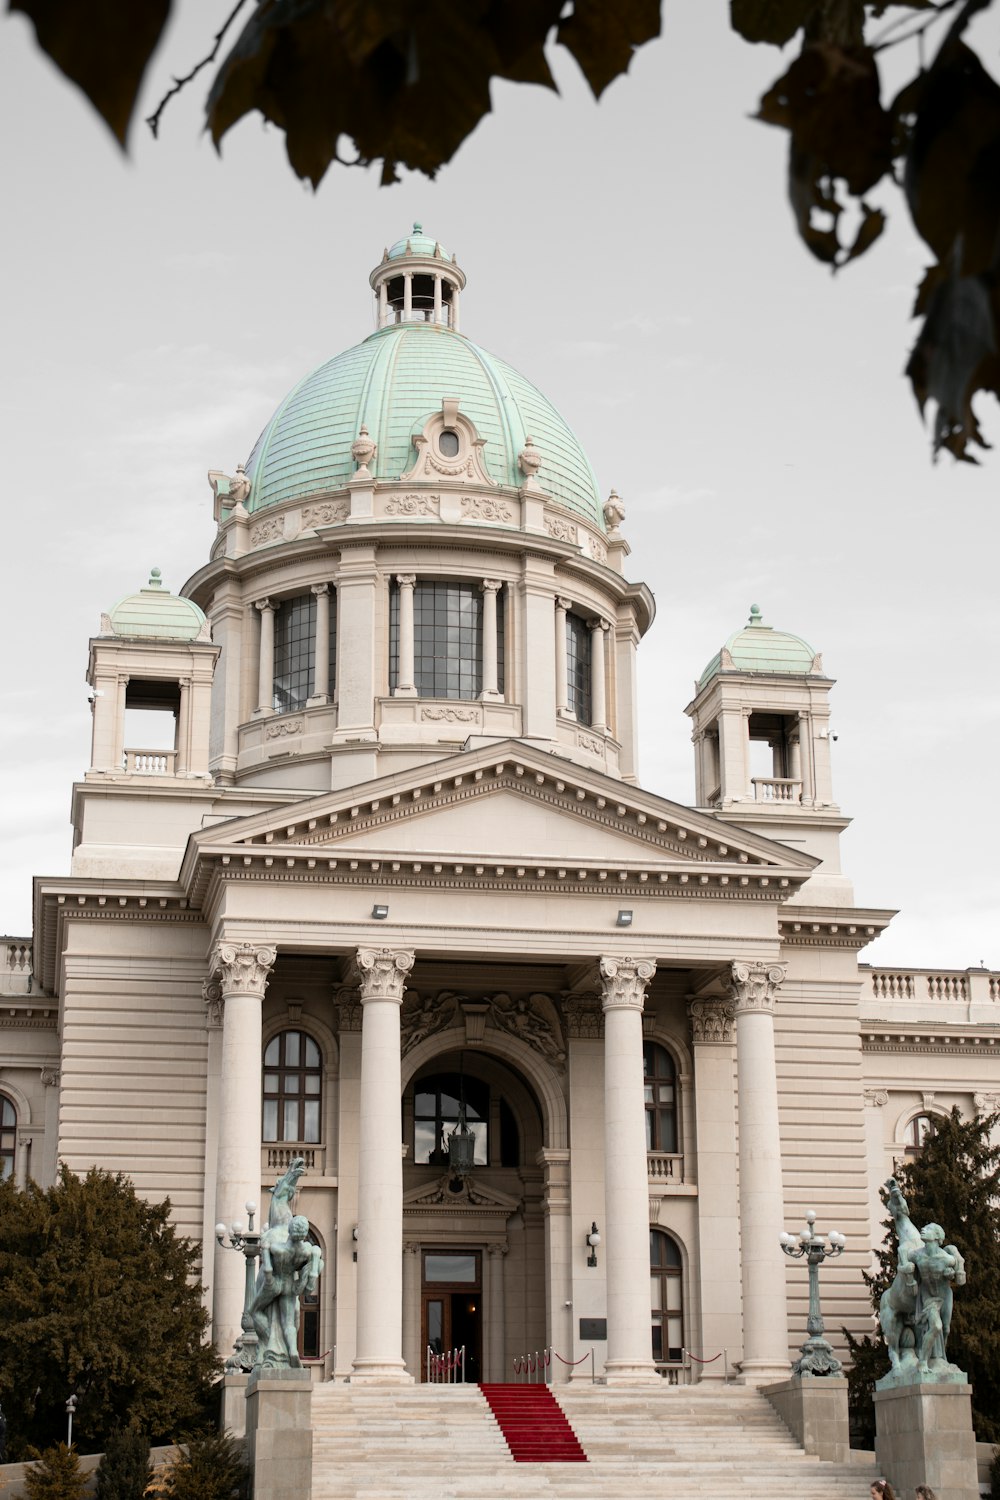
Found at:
(915, 1311)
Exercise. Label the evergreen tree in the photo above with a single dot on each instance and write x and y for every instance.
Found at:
(124, 1471)
(954, 1182)
(99, 1298)
(213, 1467)
(56, 1475)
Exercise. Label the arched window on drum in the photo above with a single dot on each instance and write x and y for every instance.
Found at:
(8, 1137)
(666, 1294)
(293, 1088)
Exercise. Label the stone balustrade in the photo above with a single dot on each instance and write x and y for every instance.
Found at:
(151, 762)
(776, 789)
(279, 1157)
(665, 1166)
(974, 986)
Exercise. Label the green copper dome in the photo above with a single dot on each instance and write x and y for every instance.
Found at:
(156, 614)
(418, 243)
(392, 384)
(761, 648)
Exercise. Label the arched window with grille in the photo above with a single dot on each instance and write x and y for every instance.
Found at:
(661, 1099)
(667, 1298)
(293, 1088)
(8, 1137)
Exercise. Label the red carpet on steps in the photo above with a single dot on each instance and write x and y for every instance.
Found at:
(531, 1420)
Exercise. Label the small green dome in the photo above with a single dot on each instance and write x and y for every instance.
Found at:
(156, 614)
(418, 243)
(761, 648)
(393, 383)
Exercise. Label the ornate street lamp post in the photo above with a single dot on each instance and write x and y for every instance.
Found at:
(817, 1356)
(247, 1242)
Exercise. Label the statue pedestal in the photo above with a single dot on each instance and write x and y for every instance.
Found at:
(233, 1417)
(923, 1435)
(279, 1433)
(814, 1409)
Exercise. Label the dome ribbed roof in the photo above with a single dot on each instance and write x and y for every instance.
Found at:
(418, 243)
(154, 613)
(392, 384)
(761, 648)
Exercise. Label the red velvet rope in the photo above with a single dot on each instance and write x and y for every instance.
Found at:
(569, 1362)
(703, 1361)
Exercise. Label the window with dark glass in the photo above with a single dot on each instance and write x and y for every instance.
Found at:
(578, 668)
(661, 1098)
(666, 1288)
(447, 640)
(293, 1087)
(309, 1306)
(436, 1104)
(8, 1137)
(295, 651)
(919, 1128)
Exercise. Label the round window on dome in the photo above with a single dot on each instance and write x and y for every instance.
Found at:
(448, 443)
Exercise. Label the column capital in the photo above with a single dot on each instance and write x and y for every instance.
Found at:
(382, 973)
(624, 981)
(597, 622)
(50, 1078)
(241, 968)
(711, 1020)
(876, 1098)
(491, 585)
(406, 580)
(263, 604)
(561, 602)
(211, 993)
(319, 588)
(754, 986)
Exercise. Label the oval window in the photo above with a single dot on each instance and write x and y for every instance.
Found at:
(448, 444)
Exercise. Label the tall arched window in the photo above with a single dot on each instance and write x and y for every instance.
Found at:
(436, 1105)
(666, 1291)
(293, 1088)
(661, 1099)
(447, 640)
(8, 1137)
(917, 1131)
(578, 662)
(295, 648)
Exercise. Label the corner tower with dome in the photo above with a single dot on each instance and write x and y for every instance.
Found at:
(390, 880)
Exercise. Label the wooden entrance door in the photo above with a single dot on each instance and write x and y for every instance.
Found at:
(451, 1307)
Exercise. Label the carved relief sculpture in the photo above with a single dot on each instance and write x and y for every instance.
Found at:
(711, 1020)
(526, 1019)
(422, 1017)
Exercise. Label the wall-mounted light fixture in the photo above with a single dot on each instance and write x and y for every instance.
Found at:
(593, 1240)
(380, 913)
(624, 919)
(354, 1237)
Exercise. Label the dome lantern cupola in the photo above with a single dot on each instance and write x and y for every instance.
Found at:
(417, 281)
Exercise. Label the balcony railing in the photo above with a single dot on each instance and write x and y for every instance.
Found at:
(934, 986)
(278, 1157)
(665, 1166)
(776, 789)
(151, 762)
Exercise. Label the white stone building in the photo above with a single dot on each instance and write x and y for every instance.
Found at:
(392, 864)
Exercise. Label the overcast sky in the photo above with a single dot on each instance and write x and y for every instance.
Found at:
(637, 260)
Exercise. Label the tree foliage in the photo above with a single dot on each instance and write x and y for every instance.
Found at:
(213, 1467)
(99, 1300)
(56, 1475)
(954, 1182)
(405, 82)
(124, 1472)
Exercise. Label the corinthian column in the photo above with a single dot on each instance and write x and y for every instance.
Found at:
(491, 588)
(265, 664)
(626, 1176)
(404, 662)
(765, 1315)
(379, 1359)
(713, 1041)
(240, 973)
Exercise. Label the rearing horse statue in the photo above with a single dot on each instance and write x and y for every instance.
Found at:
(899, 1310)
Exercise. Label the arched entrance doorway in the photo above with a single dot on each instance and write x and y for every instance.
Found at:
(473, 1232)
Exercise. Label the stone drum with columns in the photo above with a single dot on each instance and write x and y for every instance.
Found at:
(386, 896)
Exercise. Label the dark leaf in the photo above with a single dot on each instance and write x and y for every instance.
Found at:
(602, 36)
(871, 226)
(407, 81)
(102, 46)
(774, 21)
(956, 356)
(953, 163)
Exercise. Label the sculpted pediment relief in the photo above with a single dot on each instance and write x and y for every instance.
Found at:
(531, 1019)
(448, 1192)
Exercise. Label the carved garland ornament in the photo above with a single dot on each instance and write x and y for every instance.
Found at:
(755, 985)
(414, 505)
(283, 727)
(326, 514)
(451, 715)
(481, 508)
(268, 531)
(624, 982)
(563, 531)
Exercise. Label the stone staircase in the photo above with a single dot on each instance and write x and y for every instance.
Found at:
(442, 1443)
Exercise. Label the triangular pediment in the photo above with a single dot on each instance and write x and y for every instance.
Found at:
(449, 1192)
(500, 810)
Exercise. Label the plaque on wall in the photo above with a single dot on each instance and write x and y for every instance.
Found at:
(593, 1328)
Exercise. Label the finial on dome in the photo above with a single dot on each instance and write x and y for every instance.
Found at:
(155, 579)
(529, 460)
(363, 450)
(756, 618)
(417, 228)
(614, 513)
